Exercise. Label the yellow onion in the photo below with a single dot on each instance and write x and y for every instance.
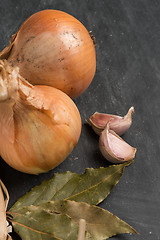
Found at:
(39, 125)
(53, 48)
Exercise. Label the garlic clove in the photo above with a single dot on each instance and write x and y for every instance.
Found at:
(118, 124)
(114, 148)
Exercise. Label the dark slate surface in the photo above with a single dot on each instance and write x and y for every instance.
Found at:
(128, 73)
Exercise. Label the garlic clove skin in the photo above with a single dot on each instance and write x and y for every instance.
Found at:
(121, 124)
(43, 127)
(95, 123)
(118, 124)
(114, 148)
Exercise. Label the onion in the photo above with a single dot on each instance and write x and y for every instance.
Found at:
(39, 125)
(53, 48)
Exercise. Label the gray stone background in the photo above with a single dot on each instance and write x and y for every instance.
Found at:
(128, 74)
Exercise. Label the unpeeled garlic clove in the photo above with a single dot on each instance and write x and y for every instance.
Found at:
(118, 124)
(114, 148)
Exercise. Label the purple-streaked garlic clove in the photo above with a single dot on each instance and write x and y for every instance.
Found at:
(114, 148)
(118, 124)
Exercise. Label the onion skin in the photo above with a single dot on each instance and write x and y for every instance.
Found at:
(3, 220)
(53, 48)
(39, 127)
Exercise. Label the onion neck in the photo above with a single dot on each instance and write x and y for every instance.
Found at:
(11, 83)
(5, 53)
(8, 82)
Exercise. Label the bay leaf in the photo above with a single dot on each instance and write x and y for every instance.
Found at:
(61, 219)
(40, 223)
(91, 187)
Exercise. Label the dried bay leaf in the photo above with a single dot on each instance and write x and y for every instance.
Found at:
(39, 223)
(52, 217)
(91, 187)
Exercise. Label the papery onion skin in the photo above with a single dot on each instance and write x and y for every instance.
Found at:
(53, 48)
(42, 128)
(3, 221)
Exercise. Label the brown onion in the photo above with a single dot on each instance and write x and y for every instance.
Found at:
(39, 125)
(53, 48)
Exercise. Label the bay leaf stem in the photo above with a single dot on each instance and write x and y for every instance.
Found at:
(82, 229)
